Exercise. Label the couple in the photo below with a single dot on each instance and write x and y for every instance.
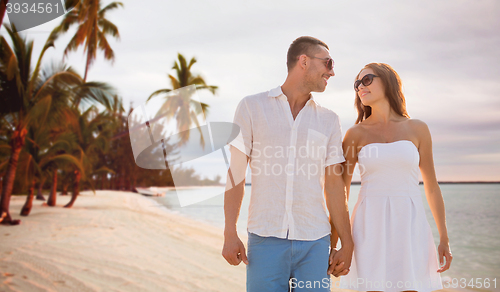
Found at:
(295, 150)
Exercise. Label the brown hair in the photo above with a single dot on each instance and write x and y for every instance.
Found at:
(303, 45)
(392, 87)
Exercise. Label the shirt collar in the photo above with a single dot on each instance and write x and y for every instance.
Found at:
(277, 92)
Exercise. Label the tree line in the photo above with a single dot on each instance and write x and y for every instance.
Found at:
(59, 131)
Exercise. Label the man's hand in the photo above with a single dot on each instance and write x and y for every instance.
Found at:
(234, 250)
(341, 257)
(336, 269)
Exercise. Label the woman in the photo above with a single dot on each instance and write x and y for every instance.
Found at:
(393, 245)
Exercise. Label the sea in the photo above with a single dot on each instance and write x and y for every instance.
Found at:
(472, 216)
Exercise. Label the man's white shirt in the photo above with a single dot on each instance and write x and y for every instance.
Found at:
(287, 160)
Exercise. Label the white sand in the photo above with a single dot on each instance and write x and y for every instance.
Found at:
(113, 241)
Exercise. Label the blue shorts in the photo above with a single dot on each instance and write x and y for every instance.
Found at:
(278, 265)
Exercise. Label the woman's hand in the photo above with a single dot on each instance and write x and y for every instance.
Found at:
(444, 253)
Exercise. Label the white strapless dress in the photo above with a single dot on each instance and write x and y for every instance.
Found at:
(393, 245)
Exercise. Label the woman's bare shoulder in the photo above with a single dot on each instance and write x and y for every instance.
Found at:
(419, 126)
(354, 133)
(420, 130)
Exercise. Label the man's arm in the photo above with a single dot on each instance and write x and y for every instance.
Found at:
(234, 250)
(336, 203)
(349, 148)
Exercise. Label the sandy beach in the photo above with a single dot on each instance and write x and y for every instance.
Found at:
(113, 241)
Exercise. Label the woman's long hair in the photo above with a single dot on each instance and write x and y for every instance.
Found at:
(392, 87)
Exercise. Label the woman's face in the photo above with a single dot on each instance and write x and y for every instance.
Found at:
(370, 94)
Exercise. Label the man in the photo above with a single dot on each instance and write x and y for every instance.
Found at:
(293, 145)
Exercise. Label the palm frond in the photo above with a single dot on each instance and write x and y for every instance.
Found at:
(57, 78)
(109, 28)
(175, 83)
(69, 19)
(8, 60)
(199, 107)
(65, 158)
(211, 88)
(191, 63)
(182, 61)
(197, 80)
(96, 91)
(71, 4)
(39, 112)
(104, 169)
(22, 50)
(159, 91)
(111, 6)
(11, 87)
(48, 44)
(104, 46)
(73, 43)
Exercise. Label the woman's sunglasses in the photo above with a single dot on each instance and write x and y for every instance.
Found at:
(329, 62)
(366, 80)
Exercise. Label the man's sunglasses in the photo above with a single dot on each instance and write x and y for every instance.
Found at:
(329, 62)
(366, 80)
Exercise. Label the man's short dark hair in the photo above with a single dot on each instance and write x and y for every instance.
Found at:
(303, 45)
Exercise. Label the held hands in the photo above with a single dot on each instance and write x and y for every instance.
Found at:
(234, 250)
(339, 262)
(444, 252)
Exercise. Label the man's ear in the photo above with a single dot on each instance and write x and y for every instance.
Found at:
(303, 61)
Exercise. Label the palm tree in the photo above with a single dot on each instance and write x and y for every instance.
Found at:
(42, 156)
(24, 105)
(93, 131)
(29, 95)
(92, 29)
(183, 108)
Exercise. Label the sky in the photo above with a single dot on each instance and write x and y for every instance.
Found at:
(446, 53)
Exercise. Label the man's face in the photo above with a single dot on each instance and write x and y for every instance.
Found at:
(317, 73)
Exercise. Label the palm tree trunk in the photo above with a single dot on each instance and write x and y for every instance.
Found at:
(87, 65)
(64, 190)
(39, 195)
(76, 189)
(3, 5)
(52, 197)
(17, 143)
(122, 181)
(25, 211)
(128, 180)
